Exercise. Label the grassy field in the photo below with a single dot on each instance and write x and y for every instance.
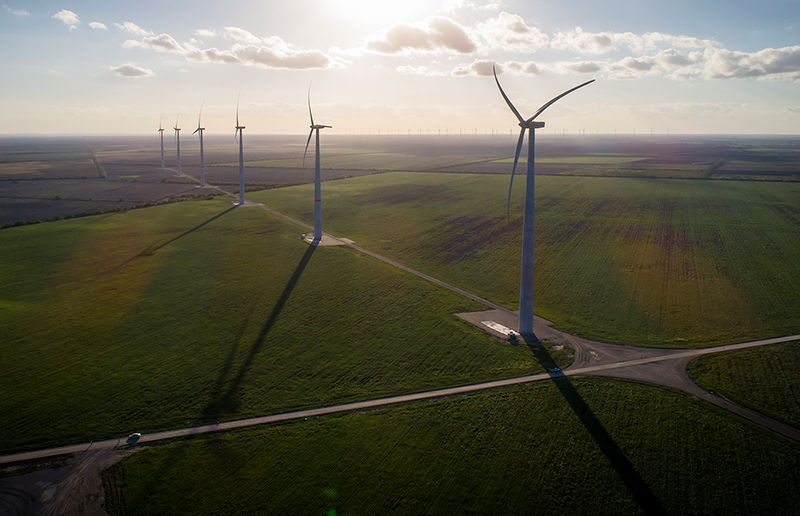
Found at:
(583, 446)
(765, 379)
(633, 261)
(172, 315)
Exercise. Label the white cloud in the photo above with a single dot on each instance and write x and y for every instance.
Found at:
(160, 43)
(454, 5)
(241, 35)
(510, 32)
(16, 12)
(770, 63)
(419, 70)
(132, 72)
(595, 43)
(653, 38)
(267, 53)
(433, 34)
(793, 109)
(582, 66)
(205, 33)
(529, 68)
(68, 17)
(133, 29)
(481, 68)
(98, 25)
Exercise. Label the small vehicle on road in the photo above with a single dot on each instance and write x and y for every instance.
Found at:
(134, 435)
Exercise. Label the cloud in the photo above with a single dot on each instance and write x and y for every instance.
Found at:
(133, 29)
(205, 33)
(160, 43)
(583, 66)
(594, 43)
(793, 109)
(454, 5)
(652, 38)
(529, 68)
(770, 63)
(481, 68)
(132, 72)
(433, 34)
(16, 12)
(98, 25)
(510, 32)
(263, 52)
(68, 17)
(241, 35)
(420, 70)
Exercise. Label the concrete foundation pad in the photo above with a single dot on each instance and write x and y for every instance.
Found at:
(326, 240)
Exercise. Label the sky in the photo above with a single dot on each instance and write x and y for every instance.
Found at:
(400, 66)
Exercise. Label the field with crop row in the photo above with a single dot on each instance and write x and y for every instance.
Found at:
(583, 446)
(172, 315)
(765, 379)
(633, 261)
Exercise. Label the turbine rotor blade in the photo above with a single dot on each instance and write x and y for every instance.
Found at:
(539, 111)
(309, 141)
(513, 169)
(200, 115)
(159, 121)
(309, 104)
(503, 93)
(237, 107)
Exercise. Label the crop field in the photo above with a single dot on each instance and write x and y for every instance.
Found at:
(176, 314)
(766, 379)
(583, 446)
(632, 261)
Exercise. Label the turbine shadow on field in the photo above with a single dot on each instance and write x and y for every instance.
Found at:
(153, 248)
(632, 479)
(226, 402)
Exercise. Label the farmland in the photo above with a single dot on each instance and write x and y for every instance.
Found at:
(633, 261)
(766, 380)
(190, 312)
(584, 446)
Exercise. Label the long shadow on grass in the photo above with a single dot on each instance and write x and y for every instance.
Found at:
(225, 402)
(155, 247)
(633, 480)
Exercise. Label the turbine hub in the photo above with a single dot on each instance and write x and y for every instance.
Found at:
(533, 124)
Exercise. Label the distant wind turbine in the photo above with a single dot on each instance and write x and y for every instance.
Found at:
(178, 140)
(238, 131)
(161, 131)
(202, 162)
(317, 179)
(526, 275)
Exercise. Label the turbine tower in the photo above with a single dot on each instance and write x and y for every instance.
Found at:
(202, 163)
(161, 131)
(526, 275)
(317, 179)
(241, 154)
(178, 140)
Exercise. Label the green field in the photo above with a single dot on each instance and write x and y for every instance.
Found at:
(172, 315)
(635, 261)
(583, 446)
(765, 379)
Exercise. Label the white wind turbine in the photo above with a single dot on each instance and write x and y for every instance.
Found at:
(161, 131)
(202, 163)
(241, 154)
(178, 140)
(317, 179)
(526, 275)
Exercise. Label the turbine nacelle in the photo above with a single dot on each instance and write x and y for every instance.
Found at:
(531, 125)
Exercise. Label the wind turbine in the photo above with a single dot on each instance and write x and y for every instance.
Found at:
(241, 153)
(161, 131)
(526, 275)
(202, 163)
(317, 179)
(178, 140)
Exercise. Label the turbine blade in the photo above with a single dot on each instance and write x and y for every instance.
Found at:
(176, 119)
(516, 113)
(237, 107)
(200, 115)
(309, 105)
(236, 134)
(159, 121)
(198, 128)
(513, 169)
(304, 152)
(539, 111)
